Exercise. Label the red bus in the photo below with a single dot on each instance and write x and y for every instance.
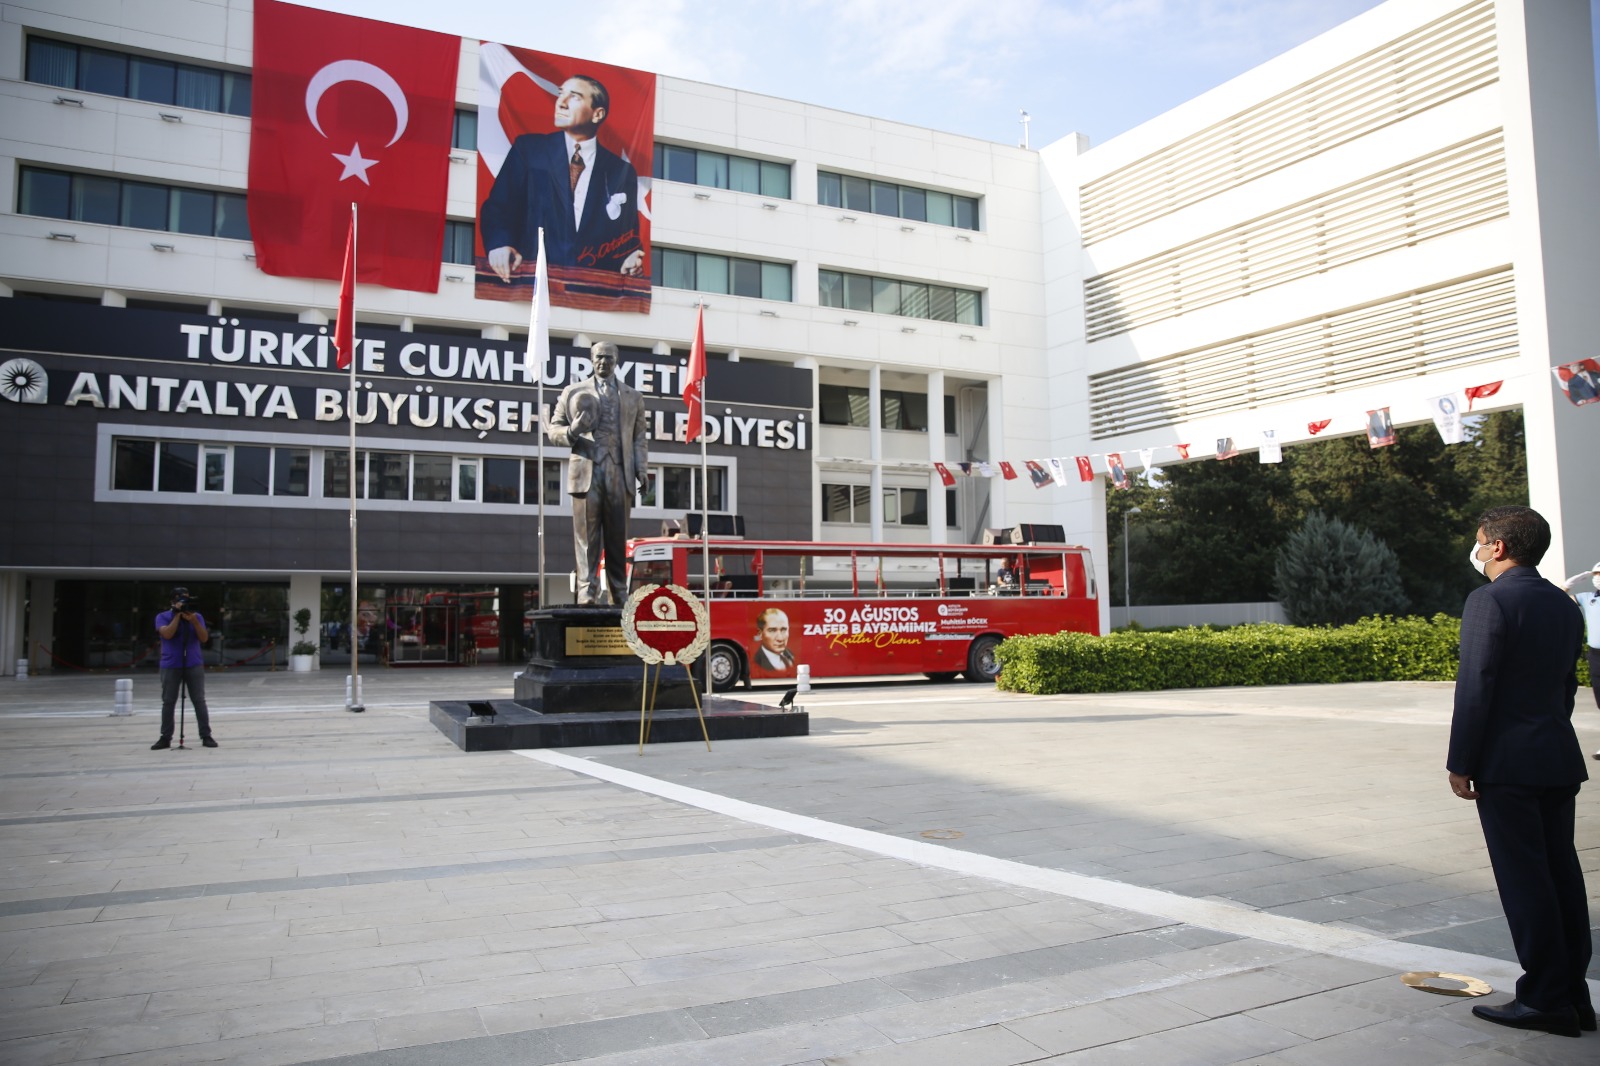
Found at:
(851, 610)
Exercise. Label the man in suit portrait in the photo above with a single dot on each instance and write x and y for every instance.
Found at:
(1513, 751)
(1584, 384)
(772, 657)
(582, 194)
(604, 422)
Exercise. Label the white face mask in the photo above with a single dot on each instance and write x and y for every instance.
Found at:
(1480, 565)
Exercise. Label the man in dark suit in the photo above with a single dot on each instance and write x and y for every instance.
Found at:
(605, 424)
(1513, 750)
(583, 195)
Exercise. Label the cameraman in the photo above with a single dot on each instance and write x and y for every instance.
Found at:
(182, 633)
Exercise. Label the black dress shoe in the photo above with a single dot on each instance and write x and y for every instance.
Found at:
(1563, 1022)
(164, 742)
(208, 742)
(1586, 1019)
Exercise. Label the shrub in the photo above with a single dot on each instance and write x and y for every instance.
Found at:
(1329, 573)
(1372, 649)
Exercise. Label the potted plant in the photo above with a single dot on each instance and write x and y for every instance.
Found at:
(304, 652)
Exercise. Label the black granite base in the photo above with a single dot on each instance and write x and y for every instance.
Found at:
(516, 726)
(581, 664)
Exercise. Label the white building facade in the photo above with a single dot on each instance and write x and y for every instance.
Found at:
(1400, 208)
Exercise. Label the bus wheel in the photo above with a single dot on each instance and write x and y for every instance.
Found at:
(726, 667)
(982, 665)
(942, 676)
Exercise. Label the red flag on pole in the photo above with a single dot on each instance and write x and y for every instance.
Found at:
(944, 474)
(1007, 471)
(344, 327)
(348, 109)
(694, 383)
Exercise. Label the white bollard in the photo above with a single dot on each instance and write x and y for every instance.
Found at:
(802, 678)
(22, 669)
(124, 698)
(355, 685)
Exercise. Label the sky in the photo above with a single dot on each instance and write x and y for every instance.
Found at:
(1096, 67)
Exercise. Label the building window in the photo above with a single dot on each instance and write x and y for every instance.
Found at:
(136, 204)
(849, 405)
(137, 77)
(677, 488)
(459, 243)
(889, 296)
(719, 170)
(851, 505)
(897, 201)
(673, 268)
(464, 132)
(263, 471)
(552, 482)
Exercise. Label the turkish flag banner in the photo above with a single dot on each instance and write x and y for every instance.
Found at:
(347, 110)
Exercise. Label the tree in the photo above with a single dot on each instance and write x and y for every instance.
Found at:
(1330, 573)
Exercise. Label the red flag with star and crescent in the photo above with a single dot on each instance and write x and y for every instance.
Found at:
(347, 110)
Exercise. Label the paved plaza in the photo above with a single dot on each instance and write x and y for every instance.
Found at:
(939, 874)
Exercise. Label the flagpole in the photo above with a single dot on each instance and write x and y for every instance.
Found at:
(353, 700)
(539, 355)
(705, 484)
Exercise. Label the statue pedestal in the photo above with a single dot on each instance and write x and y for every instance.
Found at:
(581, 665)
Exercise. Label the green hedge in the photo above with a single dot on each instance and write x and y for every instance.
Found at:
(1373, 649)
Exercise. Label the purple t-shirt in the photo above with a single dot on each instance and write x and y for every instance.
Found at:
(172, 648)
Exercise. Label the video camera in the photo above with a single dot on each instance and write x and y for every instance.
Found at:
(182, 602)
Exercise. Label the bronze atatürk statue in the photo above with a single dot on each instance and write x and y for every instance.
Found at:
(603, 422)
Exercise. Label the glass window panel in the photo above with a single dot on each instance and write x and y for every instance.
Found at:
(892, 416)
(951, 519)
(151, 79)
(144, 206)
(647, 495)
(252, 471)
(133, 465)
(857, 194)
(885, 296)
(458, 243)
(711, 168)
(860, 497)
(464, 134)
(891, 507)
(199, 88)
(711, 273)
(913, 300)
(97, 200)
(830, 191)
(775, 179)
(467, 480)
(830, 288)
(193, 211)
(777, 281)
(233, 219)
(235, 93)
(885, 198)
(746, 277)
(388, 476)
(860, 406)
(913, 204)
(914, 411)
(179, 466)
(913, 507)
(677, 488)
(336, 474)
(968, 309)
(100, 71)
(291, 472)
(430, 478)
(950, 416)
(941, 303)
(657, 163)
(52, 63)
(216, 470)
(679, 164)
(966, 212)
(833, 405)
(46, 192)
(858, 292)
(836, 503)
(941, 209)
(744, 175)
(717, 497)
(502, 481)
(679, 269)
